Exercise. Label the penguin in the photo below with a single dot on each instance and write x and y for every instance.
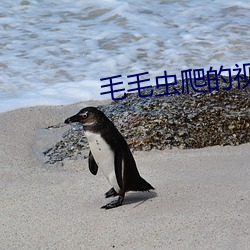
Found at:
(110, 152)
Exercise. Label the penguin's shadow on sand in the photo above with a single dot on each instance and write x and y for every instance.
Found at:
(139, 198)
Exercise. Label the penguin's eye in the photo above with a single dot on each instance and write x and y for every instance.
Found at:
(84, 115)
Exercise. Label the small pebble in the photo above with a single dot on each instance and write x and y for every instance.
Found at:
(193, 120)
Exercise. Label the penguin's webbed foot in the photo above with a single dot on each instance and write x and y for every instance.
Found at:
(111, 193)
(113, 204)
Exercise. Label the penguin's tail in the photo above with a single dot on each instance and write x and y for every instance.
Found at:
(141, 185)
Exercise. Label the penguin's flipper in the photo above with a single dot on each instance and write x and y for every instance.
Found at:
(118, 166)
(93, 167)
(111, 193)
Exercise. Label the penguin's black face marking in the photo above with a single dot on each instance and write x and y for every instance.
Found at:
(81, 117)
(87, 117)
(91, 118)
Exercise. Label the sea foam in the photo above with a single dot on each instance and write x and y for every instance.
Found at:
(56, 52)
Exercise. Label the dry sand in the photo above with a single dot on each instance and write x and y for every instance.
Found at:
(201, 201)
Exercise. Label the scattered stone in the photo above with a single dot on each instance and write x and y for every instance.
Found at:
(193, 120)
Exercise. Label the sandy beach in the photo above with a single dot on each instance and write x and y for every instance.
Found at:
(201, 198)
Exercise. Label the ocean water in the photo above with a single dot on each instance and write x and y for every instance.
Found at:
(55, 52)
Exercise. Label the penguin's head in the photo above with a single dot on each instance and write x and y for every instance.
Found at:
(88, 117)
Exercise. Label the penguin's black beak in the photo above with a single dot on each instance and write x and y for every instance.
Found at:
(74, 118)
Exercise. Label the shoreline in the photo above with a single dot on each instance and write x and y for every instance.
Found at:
(201, 197)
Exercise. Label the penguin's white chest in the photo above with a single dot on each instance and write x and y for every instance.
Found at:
(104, 157)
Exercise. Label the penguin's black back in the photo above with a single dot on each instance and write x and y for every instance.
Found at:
(132, 180)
